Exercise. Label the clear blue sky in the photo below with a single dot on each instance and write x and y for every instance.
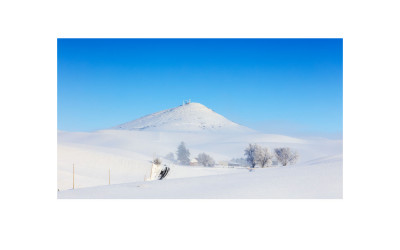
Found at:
(287, 86)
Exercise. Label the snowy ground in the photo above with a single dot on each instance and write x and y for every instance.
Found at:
(320, 180)
(127, 154)
(127, 150)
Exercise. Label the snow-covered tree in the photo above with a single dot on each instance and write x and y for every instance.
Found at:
(286, 156)
(205, 160)
(183, 154)
(170, 157)
(264, 157)
(251, 153)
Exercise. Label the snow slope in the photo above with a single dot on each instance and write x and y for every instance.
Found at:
(317, 181)
(187, 117)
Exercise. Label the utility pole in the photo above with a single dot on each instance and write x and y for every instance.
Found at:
(73, 176)
(109, 176)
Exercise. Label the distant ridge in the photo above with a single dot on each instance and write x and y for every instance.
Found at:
(186, 117)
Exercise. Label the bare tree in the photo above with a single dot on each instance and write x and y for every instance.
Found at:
(286, 156)
(183, 154)
(264, 157)
(205, 160)
(251, 153)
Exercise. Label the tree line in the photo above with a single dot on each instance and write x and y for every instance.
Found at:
(254, 155)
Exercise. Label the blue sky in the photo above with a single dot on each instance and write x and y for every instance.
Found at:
(286, 86)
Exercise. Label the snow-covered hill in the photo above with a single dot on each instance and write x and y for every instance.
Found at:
(187, 117)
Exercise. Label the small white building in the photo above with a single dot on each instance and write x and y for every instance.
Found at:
(194, 162)
(223, 163)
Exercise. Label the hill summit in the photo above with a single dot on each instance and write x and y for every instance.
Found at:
(186, 117)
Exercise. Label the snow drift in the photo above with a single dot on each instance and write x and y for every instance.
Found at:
(292, 182)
